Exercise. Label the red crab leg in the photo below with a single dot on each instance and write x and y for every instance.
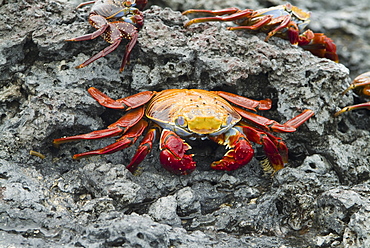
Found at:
(116, 41)
(125, 103)
(125, 141)
(236, 14)
(85, 3)
(101, 54)
(279, 143)
(140, 4)
(244, 101)
(172, 155)
(226, 11)
(240, 153)
(285, 22)
(353, 107)
(305, 38)
(144, 148)
(361, 85)
(129, 32)
(261, 22)
(281, 146)
(293, 34)
(103, 24)
(114, 35)
(318, 44)
(267, 124)
(115, 129)
(133, 39)
(362, 88)
(299, 119)
(275, 149)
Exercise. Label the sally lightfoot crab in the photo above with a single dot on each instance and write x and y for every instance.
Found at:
(285, 21)
(114, 21)
(171, 114)
(361, 86)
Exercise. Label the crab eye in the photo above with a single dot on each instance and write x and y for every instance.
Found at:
(180, 121)
(228, 120)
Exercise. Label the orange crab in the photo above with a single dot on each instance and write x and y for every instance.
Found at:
(194, 113)
(361, 86)
(286, 21)
(114, 21)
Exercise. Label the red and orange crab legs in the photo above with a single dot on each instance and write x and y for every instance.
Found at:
(317, 43)
(240, 152)
(117, 30)
(130, 126)
(173, 148)
(361, 86)
(275, 149)
(140, 4)
(114, 21)
(243, 17)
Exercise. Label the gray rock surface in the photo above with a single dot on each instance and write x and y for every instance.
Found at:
(321, 199)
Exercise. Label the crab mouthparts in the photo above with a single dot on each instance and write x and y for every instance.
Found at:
(204, 125)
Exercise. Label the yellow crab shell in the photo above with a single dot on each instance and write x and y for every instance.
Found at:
(192, 112)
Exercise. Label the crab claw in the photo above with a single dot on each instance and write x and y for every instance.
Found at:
(275, 149)
(318, 44)
(172, 156)
(240, 154)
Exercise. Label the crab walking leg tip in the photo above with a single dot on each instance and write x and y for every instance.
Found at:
(144, 148)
